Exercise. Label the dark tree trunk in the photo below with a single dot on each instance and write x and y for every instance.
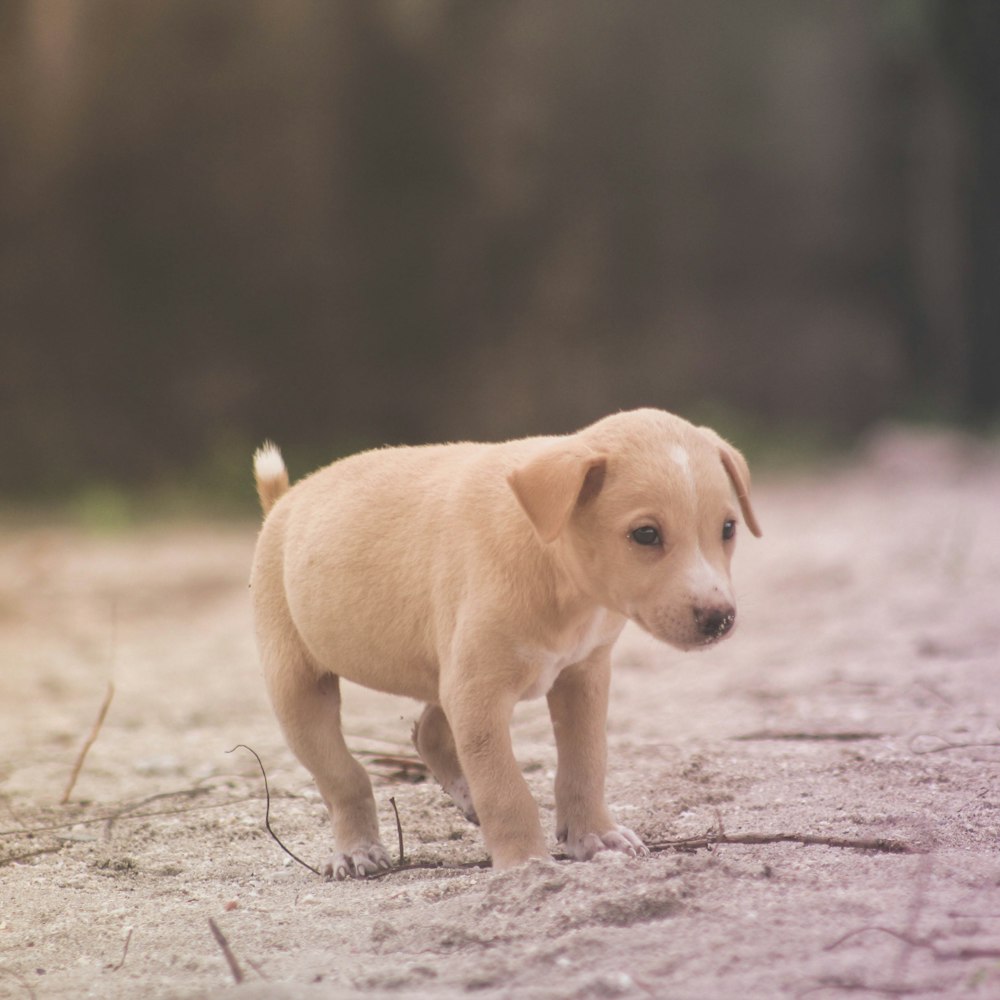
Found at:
(971, 35)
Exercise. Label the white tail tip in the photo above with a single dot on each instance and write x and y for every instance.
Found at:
(270, 473)
(267, 461)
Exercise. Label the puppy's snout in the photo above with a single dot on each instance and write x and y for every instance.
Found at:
(714, 623)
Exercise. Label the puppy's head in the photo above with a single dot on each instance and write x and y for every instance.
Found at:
(643, 509)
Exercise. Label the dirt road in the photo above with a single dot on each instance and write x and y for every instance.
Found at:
(858, 701)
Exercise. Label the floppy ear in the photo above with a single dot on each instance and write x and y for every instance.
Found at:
(549, 486)
(739, 475)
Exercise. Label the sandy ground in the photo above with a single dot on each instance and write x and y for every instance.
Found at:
(858, 699)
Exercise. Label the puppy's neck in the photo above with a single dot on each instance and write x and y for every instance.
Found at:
(574, 594)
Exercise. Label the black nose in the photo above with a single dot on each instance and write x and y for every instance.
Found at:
(714, 623)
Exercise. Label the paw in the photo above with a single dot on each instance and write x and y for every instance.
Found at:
(583, 846)
(359, 862)
(462, 797)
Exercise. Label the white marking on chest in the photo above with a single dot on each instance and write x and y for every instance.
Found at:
(595, 632)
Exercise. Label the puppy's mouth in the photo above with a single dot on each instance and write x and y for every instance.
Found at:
(685, 637)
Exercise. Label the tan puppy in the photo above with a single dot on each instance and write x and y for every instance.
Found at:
(473, 576)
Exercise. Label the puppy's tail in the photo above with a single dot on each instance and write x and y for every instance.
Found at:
(270, 474)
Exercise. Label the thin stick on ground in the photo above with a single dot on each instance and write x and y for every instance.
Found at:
(121, 961)
(13, 859)
(436, 866)
(399, 829)
(946, 954)
(267, 810)
(234, 966)
(848, 736)
(133, 806)
(881, 844)
(256, 968)
(708, 842)
(128, 815)
(88, 743)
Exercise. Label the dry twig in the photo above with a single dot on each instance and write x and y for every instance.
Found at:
(30, 854)
(437, 866)
(88, 743)
(126, 814)
(882, 844)
(808, 737)
(399, 828)
(954, 954)
(234, 966)
(256, 968)
(850, 986)
(131, 807)
(267, 810)
(121, 961)
(698, 843)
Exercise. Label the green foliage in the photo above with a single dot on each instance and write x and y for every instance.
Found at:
(350, 224)
(771, 446)
(103, 508)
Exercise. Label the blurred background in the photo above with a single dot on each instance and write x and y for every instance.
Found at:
(348, 223)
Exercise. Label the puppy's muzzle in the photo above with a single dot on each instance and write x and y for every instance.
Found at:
(714, 623)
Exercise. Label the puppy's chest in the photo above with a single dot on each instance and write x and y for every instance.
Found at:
(599, 630)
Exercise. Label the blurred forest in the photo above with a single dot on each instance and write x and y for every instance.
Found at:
(361, 221)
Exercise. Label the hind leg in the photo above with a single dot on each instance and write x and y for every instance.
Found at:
(308, 708)
(435, 743)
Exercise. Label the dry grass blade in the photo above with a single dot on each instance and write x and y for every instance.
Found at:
(88, 743)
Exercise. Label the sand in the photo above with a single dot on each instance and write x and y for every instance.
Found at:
(857, 702)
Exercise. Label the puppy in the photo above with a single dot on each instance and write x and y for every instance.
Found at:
(473, 576)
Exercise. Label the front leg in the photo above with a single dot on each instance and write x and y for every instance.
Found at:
(479, 715)
(578, 705)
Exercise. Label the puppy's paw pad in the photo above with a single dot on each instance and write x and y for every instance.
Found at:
(583, 847)
(359, 862)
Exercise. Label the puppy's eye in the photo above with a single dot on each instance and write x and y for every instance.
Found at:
(646, 535)
(728, 531)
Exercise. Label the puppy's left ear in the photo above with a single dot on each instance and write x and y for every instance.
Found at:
(739, 475)
(549, 486)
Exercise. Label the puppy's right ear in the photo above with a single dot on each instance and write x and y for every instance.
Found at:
(550, 485)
